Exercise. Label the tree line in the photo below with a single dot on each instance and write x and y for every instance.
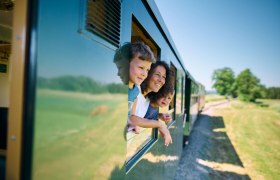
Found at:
(80, 84)
(246, 86)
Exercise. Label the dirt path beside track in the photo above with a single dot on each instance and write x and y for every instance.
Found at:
(209, 153)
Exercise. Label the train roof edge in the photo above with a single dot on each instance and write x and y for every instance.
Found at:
(155, 13)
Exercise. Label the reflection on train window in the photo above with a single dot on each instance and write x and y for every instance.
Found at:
(139, 144)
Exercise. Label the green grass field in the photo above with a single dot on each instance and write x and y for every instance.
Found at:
(78, 135)
(254, 130)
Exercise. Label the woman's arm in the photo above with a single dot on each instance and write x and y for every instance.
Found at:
(145, 123)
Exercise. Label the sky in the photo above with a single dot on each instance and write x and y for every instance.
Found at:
(213, 34)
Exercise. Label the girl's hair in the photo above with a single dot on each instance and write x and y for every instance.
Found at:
(163, 92)
(168, 80)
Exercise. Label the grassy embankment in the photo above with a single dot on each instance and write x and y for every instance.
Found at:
(254, 131)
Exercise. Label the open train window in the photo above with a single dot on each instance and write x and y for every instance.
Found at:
(180, 92)
(139, 144)
(171, 108)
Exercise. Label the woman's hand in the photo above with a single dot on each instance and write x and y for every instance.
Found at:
(165, 134)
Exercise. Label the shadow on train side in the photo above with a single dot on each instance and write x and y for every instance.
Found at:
(117, 173)
(158, 162)
(210, 153)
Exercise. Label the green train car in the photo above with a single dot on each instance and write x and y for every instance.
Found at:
(63, 108)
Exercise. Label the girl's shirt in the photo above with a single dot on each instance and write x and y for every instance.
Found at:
(152, 113)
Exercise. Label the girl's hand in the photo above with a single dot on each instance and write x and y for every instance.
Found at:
(166, 118)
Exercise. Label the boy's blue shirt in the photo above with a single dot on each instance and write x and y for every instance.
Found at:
(132, 94)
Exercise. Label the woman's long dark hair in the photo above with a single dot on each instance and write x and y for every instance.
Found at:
(164, 90)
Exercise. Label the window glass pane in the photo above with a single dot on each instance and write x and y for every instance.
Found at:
(136, 142)
(81, 103)
(179, 94)
(172, 105)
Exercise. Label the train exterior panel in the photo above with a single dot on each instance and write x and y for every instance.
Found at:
(66, 107)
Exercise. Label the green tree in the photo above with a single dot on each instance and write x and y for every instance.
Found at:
(248, 87)
(224, 81)
(273, 93)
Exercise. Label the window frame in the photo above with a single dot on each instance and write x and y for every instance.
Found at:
(90, 35)
(146, 38)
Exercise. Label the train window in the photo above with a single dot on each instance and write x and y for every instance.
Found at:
(171, 108)
(79, 98)
(103, 19)
(138, 34)
(179, 93)
(139, 144)
(183, 94)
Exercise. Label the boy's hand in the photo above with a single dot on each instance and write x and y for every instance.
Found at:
(165, 134)
(136, 130)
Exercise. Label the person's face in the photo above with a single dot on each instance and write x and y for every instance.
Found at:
(123, 68)
(165, 101)
(157, 79)
(138, 70)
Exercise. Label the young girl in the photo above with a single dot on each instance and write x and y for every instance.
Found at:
(160, 99)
